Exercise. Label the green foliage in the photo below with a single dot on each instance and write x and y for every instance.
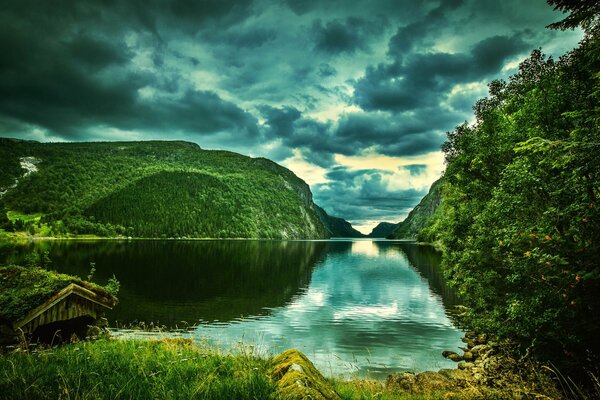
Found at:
(519, 219)
(24, 288)
(134, 369)
(113, 285)
(159, 189)
(5, 223)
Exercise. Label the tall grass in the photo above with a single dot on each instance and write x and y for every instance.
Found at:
(134, 369)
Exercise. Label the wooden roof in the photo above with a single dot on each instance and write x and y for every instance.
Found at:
(92, 301)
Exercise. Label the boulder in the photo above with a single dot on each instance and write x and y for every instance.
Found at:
(468, 356)
(405, 381)
(465, 365)
(471, 334)
(452, 356)
(470, 343)
(481, 339)
(479, 349)
(297, 378)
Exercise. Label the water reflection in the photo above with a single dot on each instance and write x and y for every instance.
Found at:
(354, 307)
(168, 282)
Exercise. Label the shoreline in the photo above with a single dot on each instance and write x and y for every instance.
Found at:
(10, 237)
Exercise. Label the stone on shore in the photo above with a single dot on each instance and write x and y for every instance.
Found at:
(297, 378)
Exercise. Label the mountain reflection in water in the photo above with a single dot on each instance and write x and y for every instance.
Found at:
(353, 306)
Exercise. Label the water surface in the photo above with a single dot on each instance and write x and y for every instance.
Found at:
(355, 307)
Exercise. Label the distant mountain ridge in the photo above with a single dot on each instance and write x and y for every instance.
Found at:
(383, 230)
(337, 227)
(155, 189)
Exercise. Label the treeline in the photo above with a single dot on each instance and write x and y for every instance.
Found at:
(157, 189)
(519, 218)
(176, 204)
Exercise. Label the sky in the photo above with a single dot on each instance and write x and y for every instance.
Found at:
(355, 97)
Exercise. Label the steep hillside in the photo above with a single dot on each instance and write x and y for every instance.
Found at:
(337, 227)
(421, 216)
(383, 229)
(154, 189)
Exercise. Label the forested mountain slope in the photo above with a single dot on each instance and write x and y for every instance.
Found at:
(155, 189)
(383, 229)
(337, 227)
(421, 216)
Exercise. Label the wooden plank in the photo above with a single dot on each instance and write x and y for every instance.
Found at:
(71, 289)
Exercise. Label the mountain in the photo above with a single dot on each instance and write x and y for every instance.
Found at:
(383, 229)
(154, 189)
(337, 227)
(421, 215)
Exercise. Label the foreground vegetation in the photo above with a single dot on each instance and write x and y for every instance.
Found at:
(180, 369)
(519, 218)
(150, 189)
(109, 369)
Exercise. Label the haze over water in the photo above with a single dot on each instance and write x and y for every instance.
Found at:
(353, 306)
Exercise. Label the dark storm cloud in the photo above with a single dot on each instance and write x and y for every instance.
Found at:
(326, 70)
(423, 79)
(388, 134)
(67, 76)
(363, 195)
(344, 35)
(313, 79)
(410, 35)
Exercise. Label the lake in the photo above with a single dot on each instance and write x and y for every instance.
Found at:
(355, 307)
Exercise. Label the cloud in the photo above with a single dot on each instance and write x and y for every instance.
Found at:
(344, 35)
(362, 196)
(68, 79)
(316, 85)
(410, 35)
(424, 78)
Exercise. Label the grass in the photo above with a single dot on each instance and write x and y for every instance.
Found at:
(180, 369)
(155, 369)
(134, 369)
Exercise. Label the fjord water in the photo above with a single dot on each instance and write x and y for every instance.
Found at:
(355, 307)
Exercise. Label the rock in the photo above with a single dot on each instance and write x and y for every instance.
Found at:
(423, 383)
(470, 334)
(465, 365)
(468, 356)
(404, 381)
(479, 349)
(470, 343)
(481, 339)
(93, 331)
(297, 378)
(452, 356)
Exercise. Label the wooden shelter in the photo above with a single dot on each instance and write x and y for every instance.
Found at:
(72, 302)
(61, 312)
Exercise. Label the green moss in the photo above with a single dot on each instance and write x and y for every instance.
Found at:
(297, 377)
(24, 288)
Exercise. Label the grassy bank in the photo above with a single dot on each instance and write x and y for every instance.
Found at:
(179, 369)
(142, 369)
(108, 369)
